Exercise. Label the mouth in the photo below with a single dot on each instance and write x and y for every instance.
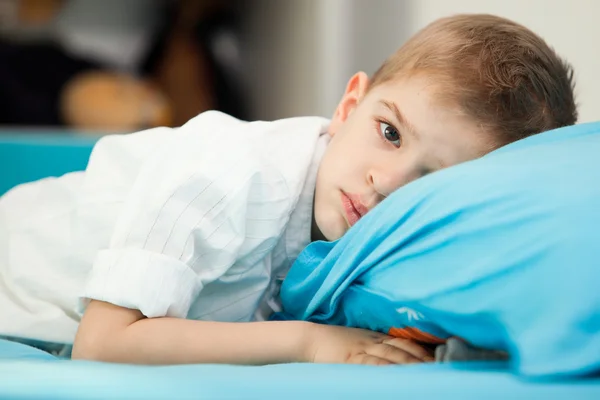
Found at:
(353, 208)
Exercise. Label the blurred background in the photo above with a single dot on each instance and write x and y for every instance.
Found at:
(123, 65)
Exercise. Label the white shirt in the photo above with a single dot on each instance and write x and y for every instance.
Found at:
(199, 222)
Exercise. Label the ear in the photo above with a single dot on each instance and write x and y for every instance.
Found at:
(355, 90)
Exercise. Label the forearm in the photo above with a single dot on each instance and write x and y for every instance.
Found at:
(180, 341)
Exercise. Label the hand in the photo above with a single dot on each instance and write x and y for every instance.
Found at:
(337, 344)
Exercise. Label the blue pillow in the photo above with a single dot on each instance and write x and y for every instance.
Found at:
(503, 251)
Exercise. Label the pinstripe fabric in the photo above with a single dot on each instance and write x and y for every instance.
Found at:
(200, 222)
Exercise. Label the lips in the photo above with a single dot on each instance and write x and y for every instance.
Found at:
(353, 208)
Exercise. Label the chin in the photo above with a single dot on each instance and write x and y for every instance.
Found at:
(334, 224)
(336, 233)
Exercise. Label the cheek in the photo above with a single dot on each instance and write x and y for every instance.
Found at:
(350, 154)
(357, 145)
(347, 163)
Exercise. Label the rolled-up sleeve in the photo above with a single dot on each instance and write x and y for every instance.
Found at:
(200, 201)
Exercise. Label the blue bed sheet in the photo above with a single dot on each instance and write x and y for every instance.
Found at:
(28, 373)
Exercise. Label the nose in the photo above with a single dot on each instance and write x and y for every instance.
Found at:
(386, 178)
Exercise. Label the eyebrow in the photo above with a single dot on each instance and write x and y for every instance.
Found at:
(400, 117)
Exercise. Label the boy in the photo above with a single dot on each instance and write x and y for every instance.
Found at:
(183, 236)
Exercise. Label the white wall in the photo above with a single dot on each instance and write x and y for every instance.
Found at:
(302, 52)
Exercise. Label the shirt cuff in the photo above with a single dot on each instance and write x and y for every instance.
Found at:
(157, 285)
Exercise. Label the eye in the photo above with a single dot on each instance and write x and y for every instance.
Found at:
(390, 134)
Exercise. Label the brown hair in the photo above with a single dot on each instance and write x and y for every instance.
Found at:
(497, 71)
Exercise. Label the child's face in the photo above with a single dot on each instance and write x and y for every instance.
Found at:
(381, 140)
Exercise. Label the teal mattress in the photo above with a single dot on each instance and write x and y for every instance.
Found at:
(28, 373)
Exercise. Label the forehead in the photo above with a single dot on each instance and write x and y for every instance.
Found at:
(441, 129)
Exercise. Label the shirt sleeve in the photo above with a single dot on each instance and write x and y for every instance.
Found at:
(202, 201)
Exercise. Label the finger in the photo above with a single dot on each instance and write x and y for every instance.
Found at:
(411, 347)
(368, 359)
(392, 354)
